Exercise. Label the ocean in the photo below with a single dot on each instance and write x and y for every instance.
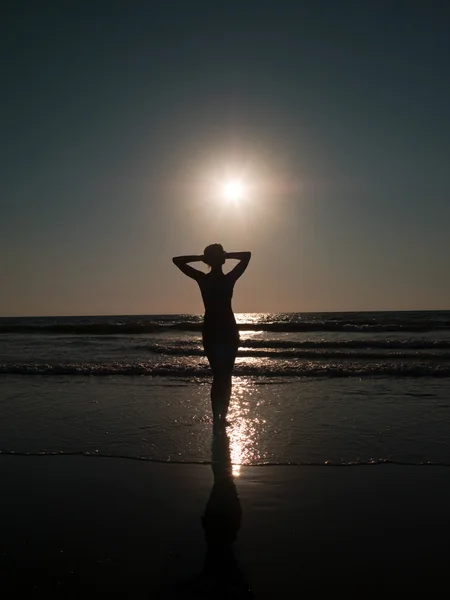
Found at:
(323, 389)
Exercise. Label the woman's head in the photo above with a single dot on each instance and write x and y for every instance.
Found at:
(214, 255)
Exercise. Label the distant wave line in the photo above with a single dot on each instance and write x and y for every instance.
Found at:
(287, 327)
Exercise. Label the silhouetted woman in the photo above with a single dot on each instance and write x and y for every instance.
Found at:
(220, 332)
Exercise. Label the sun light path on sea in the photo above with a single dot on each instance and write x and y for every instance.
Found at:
(245, 426)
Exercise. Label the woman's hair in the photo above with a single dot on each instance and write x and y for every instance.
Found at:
(214, 255)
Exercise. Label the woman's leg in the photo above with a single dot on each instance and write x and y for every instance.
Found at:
(220, 395)
(211, 355)
(221, 358)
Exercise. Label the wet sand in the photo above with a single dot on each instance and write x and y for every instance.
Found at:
(79, 527)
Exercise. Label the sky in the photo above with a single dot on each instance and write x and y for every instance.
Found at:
(120, 122)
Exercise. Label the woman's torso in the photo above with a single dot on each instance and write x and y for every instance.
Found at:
(219, 324)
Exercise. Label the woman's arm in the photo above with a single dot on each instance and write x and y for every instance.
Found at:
(239, 255)
(182, 263)
(186, 259)
(243, 258)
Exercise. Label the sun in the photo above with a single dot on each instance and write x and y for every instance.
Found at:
(233, 190)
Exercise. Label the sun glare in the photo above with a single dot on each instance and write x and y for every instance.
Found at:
(234, 190)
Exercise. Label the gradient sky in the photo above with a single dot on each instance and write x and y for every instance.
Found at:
(119, 118)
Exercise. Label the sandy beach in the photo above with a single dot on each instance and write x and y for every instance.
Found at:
(77, 527)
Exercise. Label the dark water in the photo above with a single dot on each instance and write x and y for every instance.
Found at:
(397, 344)
(406, 321)
(340, 388)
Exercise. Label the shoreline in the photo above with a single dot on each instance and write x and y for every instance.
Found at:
(205, 463)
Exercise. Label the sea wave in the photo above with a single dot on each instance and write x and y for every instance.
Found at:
(83, 328)
(131, 328)
(316, 352)
(358, 344)
(259, 370)
(175, 346)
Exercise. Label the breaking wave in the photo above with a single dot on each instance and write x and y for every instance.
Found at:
(278, 369)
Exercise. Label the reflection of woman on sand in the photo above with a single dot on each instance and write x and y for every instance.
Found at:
(220, 332)
(221, 576)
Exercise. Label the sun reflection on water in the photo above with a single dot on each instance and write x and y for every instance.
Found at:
(244, 430)
(247, 318)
